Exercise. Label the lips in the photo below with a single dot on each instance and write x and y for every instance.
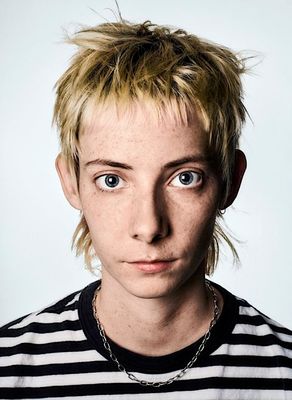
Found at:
(153, 266)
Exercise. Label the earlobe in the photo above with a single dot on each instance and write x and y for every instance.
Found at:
(238, 172)
(68, 182)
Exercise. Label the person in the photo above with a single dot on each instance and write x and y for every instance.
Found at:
(149, 120)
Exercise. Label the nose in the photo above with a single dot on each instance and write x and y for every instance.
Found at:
(149, 221)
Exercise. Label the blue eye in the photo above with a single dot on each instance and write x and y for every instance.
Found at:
(109, 182)
(187, 179)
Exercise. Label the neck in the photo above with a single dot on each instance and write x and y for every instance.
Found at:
(189, 309)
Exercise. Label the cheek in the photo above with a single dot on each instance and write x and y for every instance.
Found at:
(200, 227)
(195, 221)
(103, 217)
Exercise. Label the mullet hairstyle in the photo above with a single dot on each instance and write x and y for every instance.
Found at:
(122, 62)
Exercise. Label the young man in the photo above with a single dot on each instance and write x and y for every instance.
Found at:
(149, 123)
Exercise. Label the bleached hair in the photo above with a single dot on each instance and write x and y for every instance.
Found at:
(125, 62)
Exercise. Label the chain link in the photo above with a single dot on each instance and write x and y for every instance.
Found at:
(179, 374)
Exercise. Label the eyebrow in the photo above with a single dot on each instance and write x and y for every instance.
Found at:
(185, 160)
(170, 164)
(111, 163)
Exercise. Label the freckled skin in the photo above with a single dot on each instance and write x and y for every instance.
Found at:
(162, 205)
(148, 215)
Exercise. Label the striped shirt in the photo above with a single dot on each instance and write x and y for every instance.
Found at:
(58, 353)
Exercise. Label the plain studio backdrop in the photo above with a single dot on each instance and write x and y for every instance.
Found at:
(37, 265)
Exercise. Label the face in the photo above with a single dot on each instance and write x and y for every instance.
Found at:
(149, 195)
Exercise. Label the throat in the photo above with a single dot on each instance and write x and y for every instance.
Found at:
(160, 329)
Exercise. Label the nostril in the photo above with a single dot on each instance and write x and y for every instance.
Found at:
(149, 219)
(151, 233)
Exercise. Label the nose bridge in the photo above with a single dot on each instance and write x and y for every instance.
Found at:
(148, 215)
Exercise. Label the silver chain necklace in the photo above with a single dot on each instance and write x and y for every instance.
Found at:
(179, 374)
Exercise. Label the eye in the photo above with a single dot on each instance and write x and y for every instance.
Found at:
(109, 182)
(187, 179)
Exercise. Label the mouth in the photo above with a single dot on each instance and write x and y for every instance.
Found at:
(152, 266)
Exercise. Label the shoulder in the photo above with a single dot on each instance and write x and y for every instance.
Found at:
(261, 334)
(246, 331)
(40, 332)
(248, 317)
(41, 343)
(253, 347)
(252, 317)
(57, 312)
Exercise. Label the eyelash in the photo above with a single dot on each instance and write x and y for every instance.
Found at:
(200, 174)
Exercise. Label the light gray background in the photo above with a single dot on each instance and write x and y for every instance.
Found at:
(37, 266)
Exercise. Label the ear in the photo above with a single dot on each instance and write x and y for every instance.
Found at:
(68, 182)
(238, 172)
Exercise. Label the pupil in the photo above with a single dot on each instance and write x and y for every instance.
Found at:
(111, 180)
(186, 178)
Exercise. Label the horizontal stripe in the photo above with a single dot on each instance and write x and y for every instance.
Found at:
(256, 320)
(73, 361)
(53, 341)
(260, 330)
(53, 308)
(204, 394)
(62, 305)
(91, 361)
(252, 350)
(74, 300)
(241, 360)
(43, 338)
(127, 388)
(47, 318)
(70, 346)
(36, 327)
(265, 340)
(30, 348)
(60, 379)
(51, 358)
(251, 311)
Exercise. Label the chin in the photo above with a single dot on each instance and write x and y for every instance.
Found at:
(151, 285)
(154, 287)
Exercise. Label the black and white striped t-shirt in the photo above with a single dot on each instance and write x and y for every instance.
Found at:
(57, 353)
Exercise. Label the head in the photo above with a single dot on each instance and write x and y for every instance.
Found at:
(137, 73)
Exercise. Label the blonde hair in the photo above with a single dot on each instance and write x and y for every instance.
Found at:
(125, 62)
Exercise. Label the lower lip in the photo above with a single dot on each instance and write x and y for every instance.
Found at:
(153, 267)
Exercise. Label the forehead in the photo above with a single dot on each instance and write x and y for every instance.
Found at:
(141, 129)
(172, 111)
